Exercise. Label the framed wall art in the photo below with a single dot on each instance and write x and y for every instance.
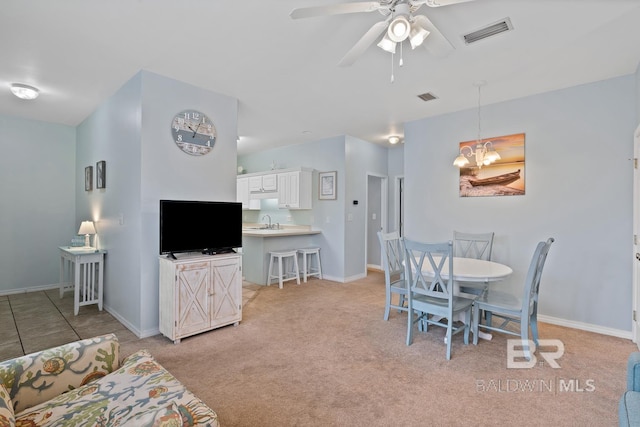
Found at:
(88, 178)
(327, 182)
(503, 175)
(101, 174)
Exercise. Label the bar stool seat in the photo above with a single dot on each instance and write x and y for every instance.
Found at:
(307, 260)
(283, 274)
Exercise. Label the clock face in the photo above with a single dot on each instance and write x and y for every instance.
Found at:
(193, 132)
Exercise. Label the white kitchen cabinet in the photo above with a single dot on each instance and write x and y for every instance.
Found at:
(263, 183)
(199, 293)
(242, 194)
(294, 189)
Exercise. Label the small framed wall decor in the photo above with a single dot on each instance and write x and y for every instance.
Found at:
(88, 178)
(327, 183)
(101, 174)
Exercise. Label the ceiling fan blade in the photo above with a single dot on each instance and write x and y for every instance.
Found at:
(335, 9)
(363, 44)
(435, 43)
(437, 3)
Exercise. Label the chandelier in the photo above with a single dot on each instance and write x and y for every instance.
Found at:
(484, 153)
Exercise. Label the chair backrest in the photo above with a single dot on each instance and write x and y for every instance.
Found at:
(392, 257)
(532, 283)
(426, 263)
(472, 245)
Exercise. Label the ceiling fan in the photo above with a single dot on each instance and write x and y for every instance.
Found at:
(400, 24)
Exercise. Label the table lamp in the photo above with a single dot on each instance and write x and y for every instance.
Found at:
(87, 228)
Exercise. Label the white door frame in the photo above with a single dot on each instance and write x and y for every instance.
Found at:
(384, 197)
(398, 203)
(635, 330)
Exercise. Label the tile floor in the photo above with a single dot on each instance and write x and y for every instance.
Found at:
(36, 321)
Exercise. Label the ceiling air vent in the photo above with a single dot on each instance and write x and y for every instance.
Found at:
(428, 96)
(488, 31)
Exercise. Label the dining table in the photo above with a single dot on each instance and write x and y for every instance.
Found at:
(476, 271)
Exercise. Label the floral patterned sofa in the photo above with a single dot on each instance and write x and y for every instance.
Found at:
(83, 383)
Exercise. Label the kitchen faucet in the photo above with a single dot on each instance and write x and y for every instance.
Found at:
(268, 216)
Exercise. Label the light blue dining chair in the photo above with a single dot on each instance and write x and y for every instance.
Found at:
(393, 264)
(432, 298)
(472, 245)
(510, 307)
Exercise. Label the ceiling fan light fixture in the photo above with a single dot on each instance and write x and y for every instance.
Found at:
(399, 29)
(417, 35)
(387, 44)
(23, 91)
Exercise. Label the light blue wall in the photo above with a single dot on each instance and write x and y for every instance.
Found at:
(362, 158)
(37, 175)
(578, 148)
(326, 215)
(112, 133)
(131, 131)
(395, 168)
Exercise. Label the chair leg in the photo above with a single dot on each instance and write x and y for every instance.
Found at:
(280, 272)
(410, 327)
(448, 339)
(269, 273)
(524, 336)
(534, 327)
(475, 319)
(467, 327)
(387, 304)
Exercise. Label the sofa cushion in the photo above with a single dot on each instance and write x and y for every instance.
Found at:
(168, 416)
(7, 418)
(633, 371)
(629, 409)
(38, 377)
(140, 386)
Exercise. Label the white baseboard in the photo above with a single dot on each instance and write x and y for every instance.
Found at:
(29, 289)
(128, 325)
(586, 327)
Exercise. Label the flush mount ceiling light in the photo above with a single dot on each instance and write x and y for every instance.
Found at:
(393, 140)
(23, 91)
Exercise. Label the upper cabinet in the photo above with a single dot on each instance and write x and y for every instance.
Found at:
(292, 188)
(263, 183)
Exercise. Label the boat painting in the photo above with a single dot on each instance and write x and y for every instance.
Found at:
(503, 179)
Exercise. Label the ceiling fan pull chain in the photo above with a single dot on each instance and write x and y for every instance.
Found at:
(392, 68)
(401, 62)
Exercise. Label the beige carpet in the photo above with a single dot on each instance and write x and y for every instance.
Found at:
(320, 354)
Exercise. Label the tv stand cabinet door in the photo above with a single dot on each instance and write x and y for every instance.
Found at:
(193, 290)
(227, 291)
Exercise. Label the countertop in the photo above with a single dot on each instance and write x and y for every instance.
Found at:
(284, 230)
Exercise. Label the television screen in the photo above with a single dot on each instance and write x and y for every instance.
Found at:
(199, 226)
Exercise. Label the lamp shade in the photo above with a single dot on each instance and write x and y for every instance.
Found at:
(417, 35)
(387, 44)
(87, 227)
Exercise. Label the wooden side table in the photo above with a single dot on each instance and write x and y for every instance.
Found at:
(84, 268)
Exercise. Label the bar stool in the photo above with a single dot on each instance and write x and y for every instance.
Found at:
(283, 275)
(307, 259)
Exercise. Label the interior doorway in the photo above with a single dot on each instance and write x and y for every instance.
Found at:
(376, 220)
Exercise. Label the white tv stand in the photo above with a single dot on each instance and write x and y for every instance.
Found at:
(199, 293)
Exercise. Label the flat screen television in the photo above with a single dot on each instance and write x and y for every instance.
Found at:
(199, 226)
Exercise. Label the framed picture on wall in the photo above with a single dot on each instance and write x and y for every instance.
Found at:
(327, 182)
(88, 178)
(101, 174)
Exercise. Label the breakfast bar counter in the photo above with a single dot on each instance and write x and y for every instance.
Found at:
(258, 242)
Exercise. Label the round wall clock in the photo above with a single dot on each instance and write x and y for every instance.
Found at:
(193, 132)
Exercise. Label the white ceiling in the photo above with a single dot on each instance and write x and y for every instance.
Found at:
(284, 72)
